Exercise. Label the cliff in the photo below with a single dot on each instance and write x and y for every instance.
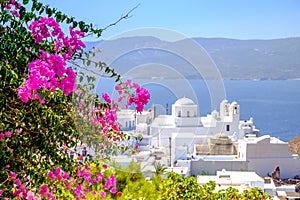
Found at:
(294, 145)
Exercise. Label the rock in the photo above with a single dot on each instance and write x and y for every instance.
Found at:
(294, 145)
(297, 189)
(276, 173)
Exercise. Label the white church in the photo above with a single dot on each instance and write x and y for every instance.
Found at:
(185, 128)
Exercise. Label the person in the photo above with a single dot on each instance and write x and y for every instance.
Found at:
(84, 151)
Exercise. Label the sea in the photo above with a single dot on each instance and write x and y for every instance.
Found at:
(274, 105)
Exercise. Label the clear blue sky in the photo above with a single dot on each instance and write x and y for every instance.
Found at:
(239, 19)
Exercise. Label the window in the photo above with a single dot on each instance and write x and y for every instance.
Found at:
(179, 114)
(227, 127)
(188, 113)
(129, 124)
(235, 110)
(126, 124)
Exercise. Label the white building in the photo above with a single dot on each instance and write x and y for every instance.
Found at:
(259, 154)
(264, 153)
(137, 124)
(184, 128)
(132, 121)
(127, 119)
(237, 179)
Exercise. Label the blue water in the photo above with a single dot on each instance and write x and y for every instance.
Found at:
(274, 104)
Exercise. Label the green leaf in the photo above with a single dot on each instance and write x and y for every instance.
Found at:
(81, 25)
(70, 20)
(42, 10)
(33, 6)
(75, 24)
(63, 17)
(49, 11)
(42, 94)
(88, 63)
(25, 2)
(38, 6)
(58, 16)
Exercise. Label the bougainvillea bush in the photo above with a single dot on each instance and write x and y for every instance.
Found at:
(44, 112)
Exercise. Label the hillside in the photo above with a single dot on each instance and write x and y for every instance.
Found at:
(235, 59)
(294, 145)
(255, 59)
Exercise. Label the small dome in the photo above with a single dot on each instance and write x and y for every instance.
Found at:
(224, 101)
(234, 103)
(184, 101)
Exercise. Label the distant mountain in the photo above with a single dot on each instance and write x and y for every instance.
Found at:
(255, 59)
(235, 59)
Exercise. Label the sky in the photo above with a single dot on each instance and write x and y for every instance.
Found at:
(237, 19)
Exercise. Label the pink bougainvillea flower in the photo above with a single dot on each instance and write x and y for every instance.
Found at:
(44, 190)
(57, 171)
(19, 131)
(24, 93)
(65, 175)
(12, 175)
(104, 166)
(127, 83)
(51, 175)
(134, 85)
(17, 182)
(8, 134)
(86, 190)
(106, 97)
(102, 194)
(49, 71)
(9, 6)
(113, 190)
(139, 97)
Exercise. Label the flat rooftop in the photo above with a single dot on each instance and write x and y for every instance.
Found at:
(217, 158)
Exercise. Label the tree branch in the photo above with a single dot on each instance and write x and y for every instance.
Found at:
(121, 18)
(91, 70)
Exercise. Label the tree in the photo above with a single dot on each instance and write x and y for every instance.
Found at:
(132, 182)
(38, 122)
(159, 168)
